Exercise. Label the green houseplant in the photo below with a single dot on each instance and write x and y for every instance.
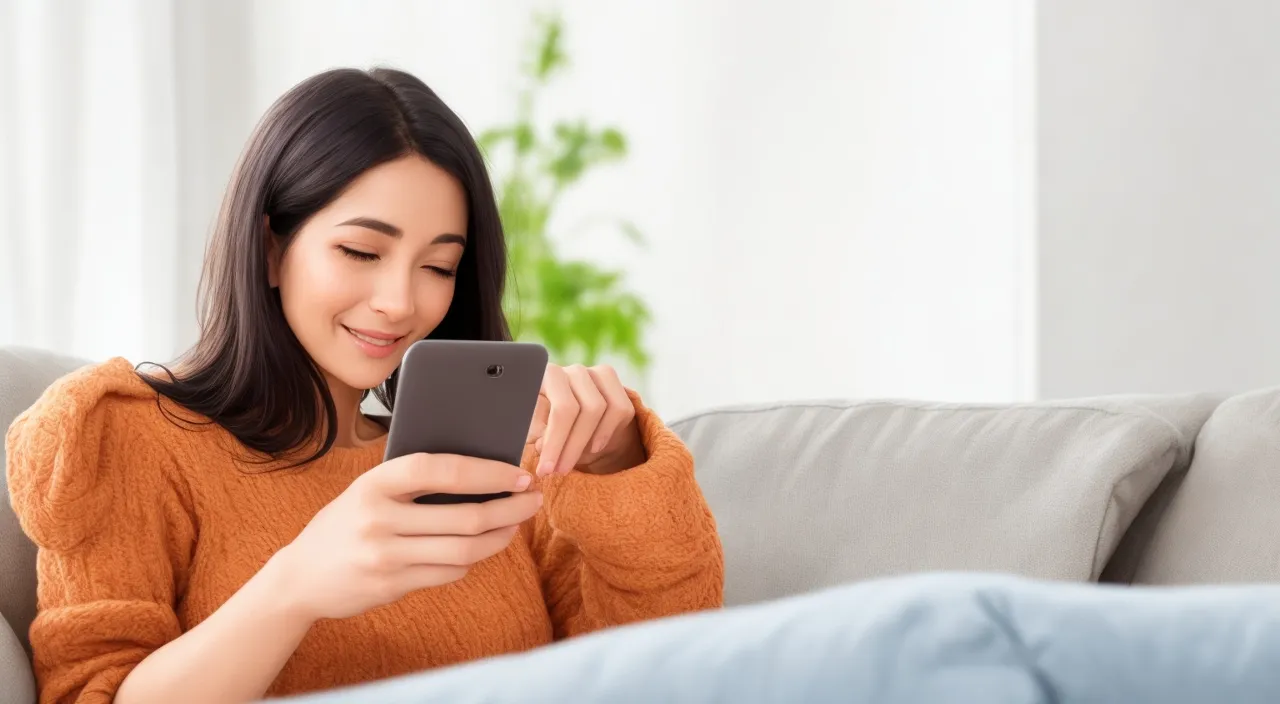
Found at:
(581, 312)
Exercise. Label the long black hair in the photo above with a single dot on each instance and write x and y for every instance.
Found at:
(248, 372)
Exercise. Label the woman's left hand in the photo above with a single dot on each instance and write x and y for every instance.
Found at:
(584, 420)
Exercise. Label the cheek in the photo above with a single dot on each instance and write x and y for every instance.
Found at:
(314, 288)
(434, 299)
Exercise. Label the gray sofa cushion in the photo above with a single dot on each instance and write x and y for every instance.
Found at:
(1187, 413)
(809, 495)
(16, 681)
(1223, 525)
(24, 375)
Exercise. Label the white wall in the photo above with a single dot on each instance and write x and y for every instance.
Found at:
(1159, 218)
(836, 193)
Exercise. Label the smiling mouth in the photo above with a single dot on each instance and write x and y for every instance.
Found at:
(375, 341)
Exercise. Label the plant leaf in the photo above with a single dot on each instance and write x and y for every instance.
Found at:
(577, 309)
(524, 138)
(550, 55)
(613, 142)
(632, 233)
(491, 138)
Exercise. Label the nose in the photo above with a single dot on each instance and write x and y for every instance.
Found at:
(393, 296)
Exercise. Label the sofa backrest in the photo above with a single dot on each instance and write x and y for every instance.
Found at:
(1222, 524)
(808, 495)
(811, 494)
(1189, 414)
(24, 375)
(17, 681)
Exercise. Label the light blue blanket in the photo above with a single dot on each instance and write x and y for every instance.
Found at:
(927, 638)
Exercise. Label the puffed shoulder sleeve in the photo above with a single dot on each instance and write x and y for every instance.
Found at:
(98, 492)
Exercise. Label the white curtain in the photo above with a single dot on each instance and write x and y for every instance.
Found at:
(109, 156)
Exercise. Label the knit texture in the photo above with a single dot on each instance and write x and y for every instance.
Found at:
(146, 526)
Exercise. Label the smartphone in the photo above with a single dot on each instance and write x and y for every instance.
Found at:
(466, 397)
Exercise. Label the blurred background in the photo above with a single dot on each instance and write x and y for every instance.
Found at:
(989, 200)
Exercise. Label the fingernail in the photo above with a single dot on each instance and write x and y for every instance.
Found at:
(542, 468)
(597, 446)
(523, 482)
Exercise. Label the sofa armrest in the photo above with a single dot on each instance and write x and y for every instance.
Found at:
(16, 678)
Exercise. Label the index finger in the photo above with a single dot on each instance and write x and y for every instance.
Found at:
(564, 410)
(423, 473)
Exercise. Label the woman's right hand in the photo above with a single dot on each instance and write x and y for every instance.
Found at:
(373, 544)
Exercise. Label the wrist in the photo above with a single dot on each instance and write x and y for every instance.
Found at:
(629, 454)
(279, 595)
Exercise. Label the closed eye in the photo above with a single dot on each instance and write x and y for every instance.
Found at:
(358, 255)
(362, 256)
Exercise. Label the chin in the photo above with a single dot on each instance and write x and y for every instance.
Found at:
(368, 377)
(361, 373)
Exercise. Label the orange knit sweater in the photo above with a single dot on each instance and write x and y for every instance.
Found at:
(145, 527)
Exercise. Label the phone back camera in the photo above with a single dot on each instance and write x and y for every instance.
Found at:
(494, 370)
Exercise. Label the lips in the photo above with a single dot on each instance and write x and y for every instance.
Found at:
(373, 343)
(373, 337)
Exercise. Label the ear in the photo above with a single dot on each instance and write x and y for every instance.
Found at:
(272, 247)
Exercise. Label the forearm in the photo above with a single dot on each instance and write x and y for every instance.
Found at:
(629, 547)
(608, 595)
(232, 656)
(629, 536)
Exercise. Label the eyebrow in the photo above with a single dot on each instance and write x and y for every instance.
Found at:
(390, 230)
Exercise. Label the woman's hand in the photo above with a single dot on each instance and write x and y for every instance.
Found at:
(585, 420)
(373, 544)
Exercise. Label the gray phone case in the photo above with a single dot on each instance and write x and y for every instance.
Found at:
(466, 397)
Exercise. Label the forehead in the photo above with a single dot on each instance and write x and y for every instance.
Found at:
(411, 193)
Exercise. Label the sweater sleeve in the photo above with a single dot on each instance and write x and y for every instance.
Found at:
(630, 546)
(113, 531)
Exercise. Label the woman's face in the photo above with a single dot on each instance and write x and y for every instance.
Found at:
(373, 271)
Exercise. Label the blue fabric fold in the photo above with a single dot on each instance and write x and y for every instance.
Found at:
(928, 638)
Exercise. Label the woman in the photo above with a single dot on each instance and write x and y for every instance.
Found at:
(224, 529)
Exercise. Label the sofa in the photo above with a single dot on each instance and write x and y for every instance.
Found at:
(1126, 489)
